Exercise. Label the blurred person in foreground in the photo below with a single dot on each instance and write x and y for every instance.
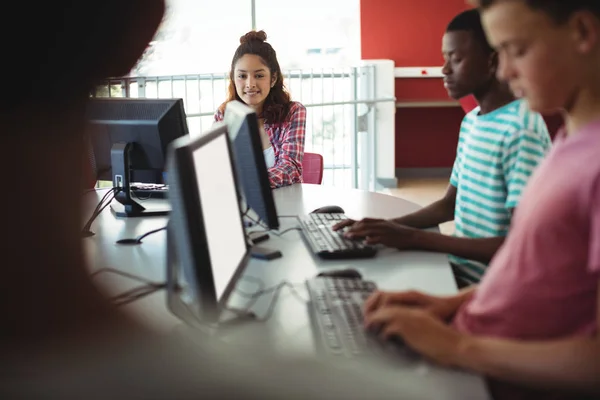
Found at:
(60, 337)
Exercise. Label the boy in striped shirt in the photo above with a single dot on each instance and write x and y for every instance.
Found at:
(501, 142)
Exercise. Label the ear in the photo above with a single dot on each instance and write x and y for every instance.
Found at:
(273, 79)
(493, 63)
(585, 27)
(139, 21)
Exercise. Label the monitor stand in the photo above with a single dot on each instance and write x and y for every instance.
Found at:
(125, 205)
(182, 310)
(261, 252)
(256, 237)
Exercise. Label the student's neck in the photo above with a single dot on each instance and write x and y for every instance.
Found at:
(493, 97)
(585, 108)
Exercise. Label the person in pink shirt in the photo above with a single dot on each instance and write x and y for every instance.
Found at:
(531, 326)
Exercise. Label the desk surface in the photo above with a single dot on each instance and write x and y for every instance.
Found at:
(288, 329)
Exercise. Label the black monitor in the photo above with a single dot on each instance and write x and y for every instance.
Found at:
(252, 168)
(207, 248)
(129, 139)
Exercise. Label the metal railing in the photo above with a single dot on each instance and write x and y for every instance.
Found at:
(340, 112)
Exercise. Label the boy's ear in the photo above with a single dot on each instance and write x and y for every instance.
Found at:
(493, 63)
(586, 31)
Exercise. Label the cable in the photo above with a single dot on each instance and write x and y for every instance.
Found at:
(138, 240)
(103, 199)
(247, 211)
(261, 292)
(108, 197)
(137, 292)
(125, 274)
(276, 296)
(155, 190)
(96, 189)
(277, 233)
(86, 232)
(139, 197)
(131, 296)
(258, 282)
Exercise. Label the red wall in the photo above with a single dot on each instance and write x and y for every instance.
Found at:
(410, 33)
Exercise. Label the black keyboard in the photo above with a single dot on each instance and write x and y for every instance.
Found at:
(337, 316)
(327, 244)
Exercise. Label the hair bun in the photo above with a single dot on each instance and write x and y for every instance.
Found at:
(259, 36)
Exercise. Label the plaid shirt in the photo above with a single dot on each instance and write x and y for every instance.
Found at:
(287, 140)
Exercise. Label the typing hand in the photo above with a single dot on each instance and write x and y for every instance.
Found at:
(419, 330)
(442, 308)
(343, 224)
(380, 231)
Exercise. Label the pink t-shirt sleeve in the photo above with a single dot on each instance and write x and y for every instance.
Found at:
(594, 256)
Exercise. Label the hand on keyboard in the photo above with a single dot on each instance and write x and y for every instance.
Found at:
(419, 330)
(380, 231)
(343, 224)
(327, 244)
(443, 308)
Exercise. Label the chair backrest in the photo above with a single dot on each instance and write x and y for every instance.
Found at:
(312, 168)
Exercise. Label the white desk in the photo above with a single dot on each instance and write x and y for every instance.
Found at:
(288, 329)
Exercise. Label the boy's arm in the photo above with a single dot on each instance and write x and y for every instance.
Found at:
(569, 363)
(572, 363)
(480, 249)
(434, 214)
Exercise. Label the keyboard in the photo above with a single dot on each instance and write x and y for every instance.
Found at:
(336, 309)
(327, 244)
(147, 191)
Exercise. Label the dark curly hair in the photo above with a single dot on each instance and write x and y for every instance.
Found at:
(558, 10)
(277, 103)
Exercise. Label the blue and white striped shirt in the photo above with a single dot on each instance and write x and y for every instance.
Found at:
(497, 153)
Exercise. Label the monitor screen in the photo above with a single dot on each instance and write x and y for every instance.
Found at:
(129, 140)
(220, 210)
(251, 167)
(208, 249)
(150, 124)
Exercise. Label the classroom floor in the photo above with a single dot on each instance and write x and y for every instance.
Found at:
(422, 191)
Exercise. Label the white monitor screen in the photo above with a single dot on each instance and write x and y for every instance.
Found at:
(220, 210)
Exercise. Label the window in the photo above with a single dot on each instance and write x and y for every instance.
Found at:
(312, 33)
(196, 36)
(199, 36)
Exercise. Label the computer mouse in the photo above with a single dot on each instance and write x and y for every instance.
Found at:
(329, 210)
(342, 273)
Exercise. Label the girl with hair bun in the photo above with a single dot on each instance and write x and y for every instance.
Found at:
(255, 79)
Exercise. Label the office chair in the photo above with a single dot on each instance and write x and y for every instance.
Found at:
(312, 168)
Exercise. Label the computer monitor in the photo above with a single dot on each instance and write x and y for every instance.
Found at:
(206, 240)
(252, 169)
(129, 139)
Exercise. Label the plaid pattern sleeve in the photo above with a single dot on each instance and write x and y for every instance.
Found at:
(289, 147)
(218, 116)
